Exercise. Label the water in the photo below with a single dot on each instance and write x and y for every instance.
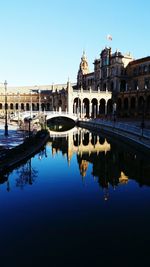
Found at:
(82, 201)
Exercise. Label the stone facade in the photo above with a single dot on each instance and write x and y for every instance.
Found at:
(118, 85)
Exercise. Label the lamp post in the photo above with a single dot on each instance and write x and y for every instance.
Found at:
(18, 108)
(143, 117)
(6, 124)
(31, 103)
(39, 101)
(114, 111)
(30, 119)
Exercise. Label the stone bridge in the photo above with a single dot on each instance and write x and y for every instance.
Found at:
(47, 114)
(55, 114)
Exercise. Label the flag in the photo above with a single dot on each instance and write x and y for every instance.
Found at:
(109, 37)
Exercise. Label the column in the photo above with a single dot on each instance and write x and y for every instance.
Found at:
(90, 109)
(106, 108)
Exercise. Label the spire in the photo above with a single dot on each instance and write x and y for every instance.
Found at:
(84, 67)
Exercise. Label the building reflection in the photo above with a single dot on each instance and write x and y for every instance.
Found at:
(26, 175)
(112, 164)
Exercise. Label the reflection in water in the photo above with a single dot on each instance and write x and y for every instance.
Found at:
(111, 164)
(63, 210)
(26, 175)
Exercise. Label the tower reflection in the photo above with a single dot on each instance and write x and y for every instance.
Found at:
(112, 164)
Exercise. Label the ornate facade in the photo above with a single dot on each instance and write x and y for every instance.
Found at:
(118, 85)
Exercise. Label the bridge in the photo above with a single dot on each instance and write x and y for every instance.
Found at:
(47, 114)
(55, 114)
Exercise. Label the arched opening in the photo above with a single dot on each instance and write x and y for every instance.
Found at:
(43, 106)
(141, 104)
(101, 140)
(109, 107)
(16, 106)
(85, 139)
(22, 106)
(77, 105)
(94, 139)
(11, 106)
(59, 105)
(102, 106)
(148, 104)
(94, 107)
(86, 107)
(1, 105)
(27, 106)
(33, 106)
(76, 140)
(119, 105)
(48, 106)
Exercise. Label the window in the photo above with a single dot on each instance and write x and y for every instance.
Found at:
(145, 68)
(134, 71)
(135, 87)
(147, 83)
(140, 70)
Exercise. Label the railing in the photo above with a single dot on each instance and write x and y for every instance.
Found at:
(125, 127)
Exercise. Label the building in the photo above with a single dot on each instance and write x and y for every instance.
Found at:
(118, 85)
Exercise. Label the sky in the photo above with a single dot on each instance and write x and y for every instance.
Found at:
(42, 41)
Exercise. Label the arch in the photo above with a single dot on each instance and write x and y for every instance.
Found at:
(148, 104)
(48, 106)
(16, 106)
(59, 102)
(109, 106)
(33, 106)
(1, 106)
(43, 106)
(141, 103)
(94, 139)
(86, 105)
(27, 106)
(77, 105)
(76, 140)
(94, 107)
(119, 104)
(11, 106)
(22, 106)
(85, 139)
(102, 106)
(101, 140)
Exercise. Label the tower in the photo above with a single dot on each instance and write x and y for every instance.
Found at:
(83, 70)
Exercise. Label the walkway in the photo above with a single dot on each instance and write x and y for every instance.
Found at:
(14, 138)
(129, 129)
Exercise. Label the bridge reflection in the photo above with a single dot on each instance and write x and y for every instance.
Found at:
(110, 164)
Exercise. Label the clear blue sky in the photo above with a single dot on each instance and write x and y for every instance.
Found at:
(42, 40)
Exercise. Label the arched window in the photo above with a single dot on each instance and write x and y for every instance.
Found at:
(11, 106)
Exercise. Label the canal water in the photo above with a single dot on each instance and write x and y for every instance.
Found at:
(84, 200)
